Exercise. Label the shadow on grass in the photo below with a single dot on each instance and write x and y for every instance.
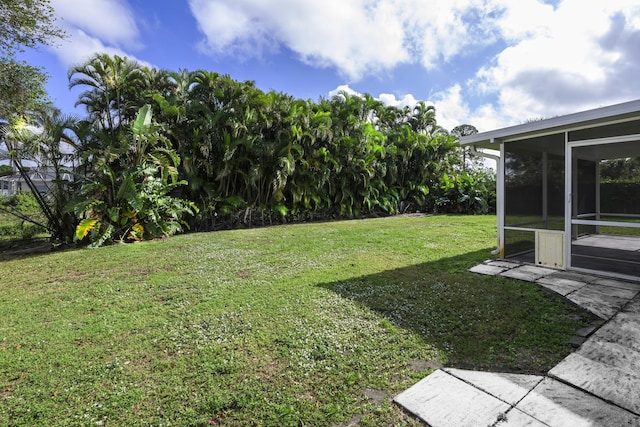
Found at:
(12, 249)
(474, 321)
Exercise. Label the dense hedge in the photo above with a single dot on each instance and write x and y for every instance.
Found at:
(620, 197)
(232, 154)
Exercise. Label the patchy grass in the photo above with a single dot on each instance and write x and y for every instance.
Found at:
(318, 324)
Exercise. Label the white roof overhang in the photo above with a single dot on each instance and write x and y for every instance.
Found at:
(618, 113)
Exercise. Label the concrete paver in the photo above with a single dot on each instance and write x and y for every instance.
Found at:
(623, 329)
(600, 379)
(573, 275)
(608, 364)
(490, 270)
(617, 284)
(559, 285)
(504, 264)
(633, 307)
(614, 355)
(509, 388)
(530, 273)
(558, 404)
(586, 331)
(444, 400)
(455, 397)
(602, 306)
(609, 291)
(517, 418)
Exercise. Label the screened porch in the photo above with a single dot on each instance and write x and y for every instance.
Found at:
(569, 190)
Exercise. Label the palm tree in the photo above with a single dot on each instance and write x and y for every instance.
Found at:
(52, 146)
(113, 83)
(423, 118)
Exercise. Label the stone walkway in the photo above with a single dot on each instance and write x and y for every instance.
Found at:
(598, 385)
(601, 296)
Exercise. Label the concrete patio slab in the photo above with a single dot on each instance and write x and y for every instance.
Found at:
(633, 307)
(510, 388)
(629, 243)
(573, 275)
(560, 285)
(558, 404)
(613, 354)
(489, 270)
(602, 380)
(602, 290)
(444, 400)
(517, 418)
(503, 264)
(618, 284)
(623, 329)
(603, 306)
(530, 273)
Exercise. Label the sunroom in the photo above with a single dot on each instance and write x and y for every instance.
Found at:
(560, 201)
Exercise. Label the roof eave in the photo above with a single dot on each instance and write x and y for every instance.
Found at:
(561, 123)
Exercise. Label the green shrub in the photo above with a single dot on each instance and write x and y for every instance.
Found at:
(24, 202)
(466, 193)
(20, 230)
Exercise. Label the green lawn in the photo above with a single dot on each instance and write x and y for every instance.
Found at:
(318, 324)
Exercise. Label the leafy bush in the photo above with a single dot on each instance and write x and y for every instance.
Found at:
(20, 230)
(620, 195)
(130, 200)
(15, 209)
(24, 202)
(5, 170)
(468, 192)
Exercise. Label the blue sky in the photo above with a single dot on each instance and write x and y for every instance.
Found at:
(489, 63)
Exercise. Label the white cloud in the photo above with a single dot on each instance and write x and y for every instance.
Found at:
(343, 89)
(557, 60)
(441, 30)
(547, 58)
(387, 99)
(82, 46)
(111, 21)
(358, 37)
(96, 26)
(521, 60)
(451, 109)
(576, 56)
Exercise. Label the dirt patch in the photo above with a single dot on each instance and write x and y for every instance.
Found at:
(411, 215)
(19, 249)
(423, 365)
(375, 396)
(243, 274)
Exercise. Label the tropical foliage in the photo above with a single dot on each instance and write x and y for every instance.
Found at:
(126, 197)
(48, 143)
(23, 99)
(222, 153)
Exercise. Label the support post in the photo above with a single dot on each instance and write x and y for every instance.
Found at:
(597, 171)
(545, 189)
(568, 197)
(499, 193)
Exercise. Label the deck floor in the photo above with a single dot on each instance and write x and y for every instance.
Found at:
(601, 252)
(615, 254)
